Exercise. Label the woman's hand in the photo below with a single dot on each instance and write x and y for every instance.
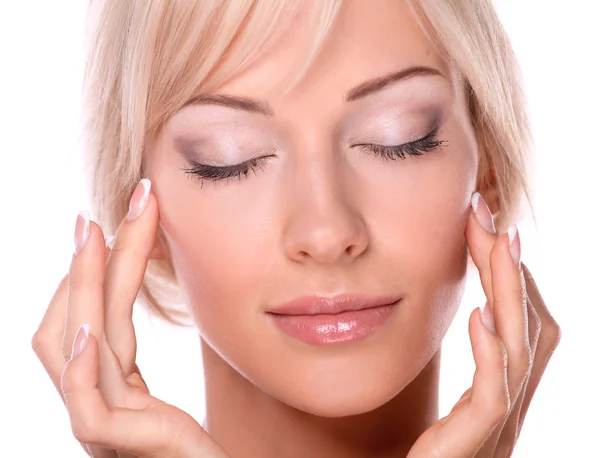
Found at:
(87, 344)
(512, 339)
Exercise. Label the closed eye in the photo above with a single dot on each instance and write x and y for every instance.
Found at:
(418, 147)
(202, 172)
(415, 148)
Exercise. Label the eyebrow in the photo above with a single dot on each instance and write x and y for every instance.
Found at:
(377, 84)
(231, 101)
(358, 92)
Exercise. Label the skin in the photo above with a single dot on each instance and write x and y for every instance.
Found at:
(320, 216)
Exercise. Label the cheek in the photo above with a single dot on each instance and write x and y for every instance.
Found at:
(419, 215)
(419, 211)
(216, 243)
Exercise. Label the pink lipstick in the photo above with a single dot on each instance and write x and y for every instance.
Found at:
(320, 320)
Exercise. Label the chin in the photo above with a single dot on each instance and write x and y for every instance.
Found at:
(347, 380)
(336, 403)
(341, 379)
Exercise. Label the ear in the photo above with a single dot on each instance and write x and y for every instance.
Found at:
(488, 188)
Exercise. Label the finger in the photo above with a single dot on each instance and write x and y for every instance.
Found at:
(502, 282)
(47, 343)
(135, 380)
(506, 434)
(547, 341)
(534, 322)
(503, 439)
(511, 319)
(480, 234)
(85, 304)
(547, 322)
(467, 427)
(85, 298)
(47, 340)
(510, 308)
(94, 423)
(125, 271)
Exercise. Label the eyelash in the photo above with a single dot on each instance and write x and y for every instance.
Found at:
(418, 147)
(216, 173)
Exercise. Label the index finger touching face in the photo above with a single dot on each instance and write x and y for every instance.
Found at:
(481, 235)
(125, 271)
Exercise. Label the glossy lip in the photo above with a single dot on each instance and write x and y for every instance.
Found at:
(318, 320)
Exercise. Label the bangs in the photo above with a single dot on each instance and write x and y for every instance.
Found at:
(146, 59)
(201, 45)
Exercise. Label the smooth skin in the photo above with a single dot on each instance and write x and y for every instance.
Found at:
(323, 216)
(105, 394)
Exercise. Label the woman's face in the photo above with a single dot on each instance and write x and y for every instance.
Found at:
(322, 212)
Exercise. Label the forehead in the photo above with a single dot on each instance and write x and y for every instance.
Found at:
(364, 42)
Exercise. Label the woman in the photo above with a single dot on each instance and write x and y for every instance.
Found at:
(321, 264)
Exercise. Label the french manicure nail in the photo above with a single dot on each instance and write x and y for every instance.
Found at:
(488, 317)
(515, 244)
(81, 339)
(139, 199)
(82, 230)
(483, 213)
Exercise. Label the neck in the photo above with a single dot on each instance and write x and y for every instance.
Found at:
(248, 422)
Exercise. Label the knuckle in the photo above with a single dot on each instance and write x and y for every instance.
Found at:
(88, 428)
(84, 431)
(40, 342)
(496, 407)
(551, 335)
(499, 407)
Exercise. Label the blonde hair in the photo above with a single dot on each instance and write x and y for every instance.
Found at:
(145, 60)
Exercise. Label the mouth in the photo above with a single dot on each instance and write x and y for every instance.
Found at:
(322, 321)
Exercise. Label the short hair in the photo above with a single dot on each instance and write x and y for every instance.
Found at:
(146, 59)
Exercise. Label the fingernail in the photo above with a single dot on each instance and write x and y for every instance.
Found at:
(482, 213)
(139, 199)
(109, 241)
(81, 339)
(515, 244)
(487, 317)
(82, 230)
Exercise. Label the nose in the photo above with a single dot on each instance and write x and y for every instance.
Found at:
(324, 227)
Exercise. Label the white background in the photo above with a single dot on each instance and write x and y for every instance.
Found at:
(41, 191)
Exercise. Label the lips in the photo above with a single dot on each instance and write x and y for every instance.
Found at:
(321, 320)
(316, 305)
